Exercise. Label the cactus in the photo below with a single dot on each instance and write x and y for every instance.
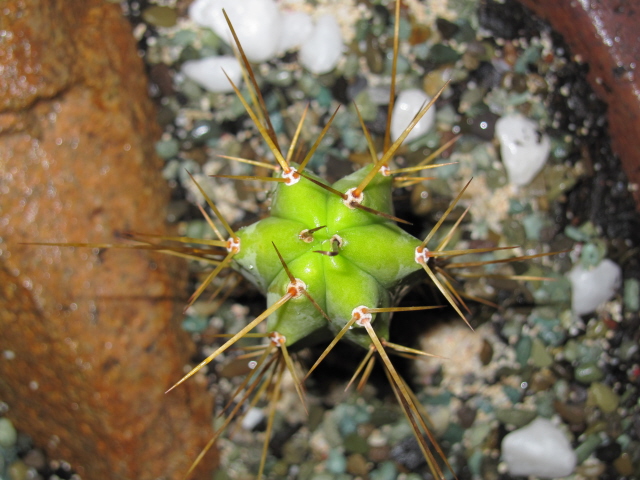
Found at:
(331, 261)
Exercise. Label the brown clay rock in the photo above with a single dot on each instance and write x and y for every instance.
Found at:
(606, 34)
(90, 340)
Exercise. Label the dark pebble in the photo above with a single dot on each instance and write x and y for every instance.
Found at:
(160, 76)
(446, 28)
(408, 454)
(202, 131)
(482, 126)
(486, 352)
(608, 453)
(572, 414)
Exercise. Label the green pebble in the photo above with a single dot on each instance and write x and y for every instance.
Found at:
(324, 98)
(194, 324)
(512, 328)
(280, 469)
(167, 149)
(544, 404)
(466, 32)
(443, 398)
(515, 416)
(514, 394)
(294, 451)
(475, 436)
(331, 431)
(604, 397)
(632, 294)
(336, 461)
(529, 57)
(412, 476)
(190, 88)
(385, 471)
(197, 229)
(183, 38)
(453, 434)
(586, 448)
(209, 39)
(513, 232)
(323, 476)
(160, 16)
(309, 85)
(553, 338)
(354, 443)
(539, 354)
(362, 27)
(627, 349)
(523, 350)
(443, 54)
(592, 254)
(533, 225)
(8, 433)
(384, 416)
(588, 373)
(516, 206)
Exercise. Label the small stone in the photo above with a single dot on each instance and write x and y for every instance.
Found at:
(18, 471)
(517, 417)
(385, 471)
(588, 372)
(441, 54)
(591, 287)
(486, 352)
(35, 459)
(357, 465)
(524, 150)
(523, 350)
(604, 397)
(587, 447)
(257, 23)
(202, 131)
(623, 465)
(466, 416)
(167, 149)
(571, 414)
(209, 72)
(407, 105)
(539, 449)
(322, 49)
(8, 433)
(336, 461)
(379, 453)
(296, 28)
(160, 16)
(632, 294)
(539, 354)
(354, 443)
(609, 452)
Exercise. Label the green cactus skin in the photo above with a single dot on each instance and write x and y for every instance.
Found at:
(355, 259)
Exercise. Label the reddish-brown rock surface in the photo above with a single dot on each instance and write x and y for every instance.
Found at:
(606, 34)
(89, 340)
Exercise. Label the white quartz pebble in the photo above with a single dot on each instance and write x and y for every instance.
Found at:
(322, 49)
(208, 72)
(258, 24)
(296, 28)
(406, 106)
(591, 287)
(524, 150)
(252, 418)
(539, 449)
